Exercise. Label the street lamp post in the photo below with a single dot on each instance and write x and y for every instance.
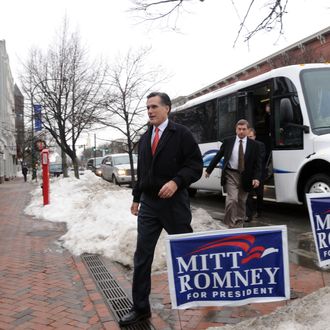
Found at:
(34, 127)
(34, 170)
(95, 149)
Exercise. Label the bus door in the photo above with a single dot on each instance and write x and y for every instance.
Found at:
(287, 139)
(254, 106)
(244, 106)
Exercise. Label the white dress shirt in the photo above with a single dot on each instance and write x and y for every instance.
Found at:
(161, 127)
(233, 161)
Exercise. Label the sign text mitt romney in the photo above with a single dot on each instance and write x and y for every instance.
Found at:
(228, 267)
(319, 215)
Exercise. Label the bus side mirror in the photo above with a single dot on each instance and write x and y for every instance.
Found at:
(306, 129)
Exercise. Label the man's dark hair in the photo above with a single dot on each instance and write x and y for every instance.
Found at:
(243, 122)
(165, 99)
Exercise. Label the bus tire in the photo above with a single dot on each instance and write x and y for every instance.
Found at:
(318, 183)
(192, 192)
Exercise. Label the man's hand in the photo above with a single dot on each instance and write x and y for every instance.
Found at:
(135, 208)
(206, 174)
(168, 189)
(255, 183)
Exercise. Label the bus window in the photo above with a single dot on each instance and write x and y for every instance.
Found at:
(201, 120)
(256, 110)
(287, 116)
(244, 106)
(227, 116)
(316, 88)
(288, 132)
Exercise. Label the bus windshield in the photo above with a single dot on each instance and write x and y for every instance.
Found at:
(316, 87)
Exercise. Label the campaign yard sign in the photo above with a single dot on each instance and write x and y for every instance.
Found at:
(229, 267)
(319, 215)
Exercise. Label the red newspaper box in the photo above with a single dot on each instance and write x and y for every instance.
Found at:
(45, 175)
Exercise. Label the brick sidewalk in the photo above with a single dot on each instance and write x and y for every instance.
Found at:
(303, 281)
(43, 286)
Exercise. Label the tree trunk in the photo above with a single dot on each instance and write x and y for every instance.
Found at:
(64, 164)
(130, 154)
(75, 167)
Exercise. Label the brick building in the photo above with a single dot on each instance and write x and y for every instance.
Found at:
(313, 49)
(19, 122)
(7, 118)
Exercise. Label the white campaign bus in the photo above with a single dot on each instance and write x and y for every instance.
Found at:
(296, 131)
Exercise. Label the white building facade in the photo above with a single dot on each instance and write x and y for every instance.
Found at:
(7, 118)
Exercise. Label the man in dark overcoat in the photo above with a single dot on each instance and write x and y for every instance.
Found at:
(169, 160)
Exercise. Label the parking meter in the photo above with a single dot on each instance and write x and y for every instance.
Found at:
(45, 175)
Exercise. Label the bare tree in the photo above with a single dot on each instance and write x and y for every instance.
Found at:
(157, 10)
(69, 89)
(129, 82)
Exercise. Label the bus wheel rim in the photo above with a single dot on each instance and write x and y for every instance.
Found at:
(319, 187)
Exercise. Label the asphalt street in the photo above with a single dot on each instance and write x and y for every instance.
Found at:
(295, 217)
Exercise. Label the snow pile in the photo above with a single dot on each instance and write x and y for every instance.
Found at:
(98, 218)
(310, 312)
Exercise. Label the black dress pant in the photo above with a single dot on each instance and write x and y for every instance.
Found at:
(155, 214)
(257, 206)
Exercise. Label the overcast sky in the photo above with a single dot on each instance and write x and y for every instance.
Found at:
(200, 53)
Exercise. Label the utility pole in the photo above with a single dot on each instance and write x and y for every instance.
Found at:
(95, 149)
(33, 165)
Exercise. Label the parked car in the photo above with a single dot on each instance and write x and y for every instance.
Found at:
(55, 169)
(94, 164)
(116, 168)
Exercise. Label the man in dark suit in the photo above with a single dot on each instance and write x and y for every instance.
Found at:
(25, 172)
(251, 209)
(169, 160)
(240, 172)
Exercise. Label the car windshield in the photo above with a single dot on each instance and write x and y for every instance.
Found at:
(316, 87)
(124, 159)
(96, 161)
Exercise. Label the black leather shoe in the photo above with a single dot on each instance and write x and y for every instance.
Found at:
(133, 317)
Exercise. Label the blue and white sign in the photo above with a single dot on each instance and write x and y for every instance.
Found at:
(228, 267)
(37, 117)
(319, 215)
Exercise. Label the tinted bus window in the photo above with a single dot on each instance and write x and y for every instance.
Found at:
(288, 117)
(201, 120)
(227, 116)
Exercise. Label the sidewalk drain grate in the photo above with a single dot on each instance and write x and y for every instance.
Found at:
(114, 295)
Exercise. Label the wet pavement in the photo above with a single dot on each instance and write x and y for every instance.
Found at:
(300, 237)
(43, 286)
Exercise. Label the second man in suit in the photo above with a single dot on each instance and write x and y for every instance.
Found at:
(240, 173)
(259, 191)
